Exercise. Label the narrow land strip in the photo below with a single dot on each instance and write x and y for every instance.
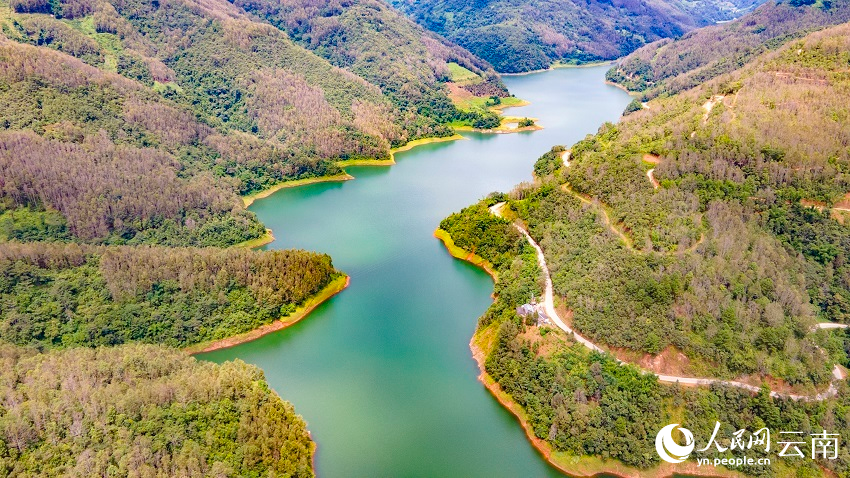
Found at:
(248, 200)
(333, 288)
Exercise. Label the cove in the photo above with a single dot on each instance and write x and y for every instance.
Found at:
(382, 372)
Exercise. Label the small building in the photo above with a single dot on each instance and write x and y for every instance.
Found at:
(535, 311)
(525, 310)
(542, 318)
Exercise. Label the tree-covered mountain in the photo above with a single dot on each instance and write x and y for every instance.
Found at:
(69, 295)
(704, 235)
(143, 411)
(381, 45)
(128, 132)
(737, 160)
(523, 36)
(669, 66)
(205, 101)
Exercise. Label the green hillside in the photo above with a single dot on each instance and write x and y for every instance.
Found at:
(737, 159)
(377, 43)
(525, 36)
(703, 236)
(143, 410)
(60, 296)
(670, 66)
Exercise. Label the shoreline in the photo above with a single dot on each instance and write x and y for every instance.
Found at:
(464, 255)
(344, 176)
(249, 199)
(577, 467)
(500, 107)
(366, 162)
(503, 127)
(584, 466)
(333, 288)
(617, 85)
(555, 66)
(261, 241)
(419, 142)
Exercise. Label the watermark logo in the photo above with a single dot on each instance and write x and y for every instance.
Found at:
(823, 446)
(667, 447)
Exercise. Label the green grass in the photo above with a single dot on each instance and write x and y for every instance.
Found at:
(460, 74)
(162, 88)
(6, 26)
(464, 255)
(111, 44)
(477, 102)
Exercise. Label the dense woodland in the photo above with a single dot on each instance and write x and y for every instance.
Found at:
(379, 44)
(586, 403)
(203, 102)
(673, 65)
(129, 131)
(525, 36)
(58, 296)
(772, 144)
(143, 411)
(724, 266)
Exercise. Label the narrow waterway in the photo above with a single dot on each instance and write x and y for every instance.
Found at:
(382, 373)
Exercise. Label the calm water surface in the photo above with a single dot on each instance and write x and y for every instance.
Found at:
(382, 373)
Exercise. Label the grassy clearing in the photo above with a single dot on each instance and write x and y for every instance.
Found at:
(112, 45)
(476, 102)
(510, 124)
(461, 74)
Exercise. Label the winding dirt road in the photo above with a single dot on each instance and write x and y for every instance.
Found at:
(651, 176)
(549, 307)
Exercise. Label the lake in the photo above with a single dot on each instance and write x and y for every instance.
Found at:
(382, 373)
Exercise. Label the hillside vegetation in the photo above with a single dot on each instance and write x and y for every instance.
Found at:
(379, 44)
(128, 132)
(525, 36)
(704, 235)
(669, 66)
(143, 411)
(214, 100)
(59, 296)
(587, 404)
(736, 159)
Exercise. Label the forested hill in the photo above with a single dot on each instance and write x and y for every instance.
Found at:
(69, 295)
(702, 236)
(381, 45)
(241, 72)
(737, 162)
(670, 66)
(203, 102)
(524, 36)
(143, 411)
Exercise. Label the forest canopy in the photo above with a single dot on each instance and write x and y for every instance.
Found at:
(59, 296)
(532, 35)
(702, 236)
(145, 411)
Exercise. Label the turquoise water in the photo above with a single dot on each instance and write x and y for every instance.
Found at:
(382, 373)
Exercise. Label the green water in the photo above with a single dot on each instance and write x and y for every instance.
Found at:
(382, 373)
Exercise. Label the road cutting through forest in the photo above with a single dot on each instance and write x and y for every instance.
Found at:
(552, 313)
